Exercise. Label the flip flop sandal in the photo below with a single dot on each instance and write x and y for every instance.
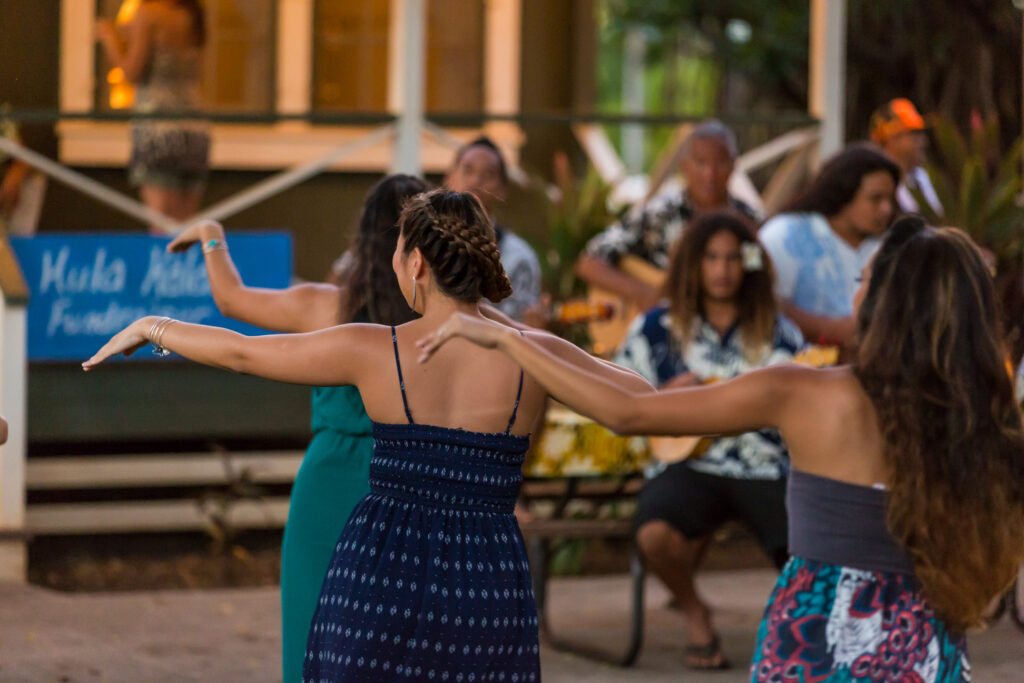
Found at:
(708, 653)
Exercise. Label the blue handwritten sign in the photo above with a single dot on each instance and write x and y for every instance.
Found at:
(86, 288)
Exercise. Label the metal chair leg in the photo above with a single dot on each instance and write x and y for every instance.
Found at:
(625, 659)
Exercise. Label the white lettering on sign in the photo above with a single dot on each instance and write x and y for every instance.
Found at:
(170, 275)
(99, 278)
(114, 318)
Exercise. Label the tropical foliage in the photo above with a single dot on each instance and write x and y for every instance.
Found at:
(978, 186)
(576, 211)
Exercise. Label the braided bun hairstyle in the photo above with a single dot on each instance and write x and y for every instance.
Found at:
(456, 238)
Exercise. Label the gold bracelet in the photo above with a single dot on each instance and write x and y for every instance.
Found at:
(156, 324)
(156, 335)
(160, 334)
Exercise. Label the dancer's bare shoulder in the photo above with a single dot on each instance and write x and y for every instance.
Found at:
(831, 426)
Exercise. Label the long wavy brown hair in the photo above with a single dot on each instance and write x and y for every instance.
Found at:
(933, 361)
(684, 290)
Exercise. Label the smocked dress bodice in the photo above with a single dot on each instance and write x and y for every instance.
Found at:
(454, 469)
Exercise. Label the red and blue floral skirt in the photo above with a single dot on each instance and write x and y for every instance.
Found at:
(831, 623)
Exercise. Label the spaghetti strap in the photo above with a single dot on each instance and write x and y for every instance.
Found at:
(519, 394)
(401, 381)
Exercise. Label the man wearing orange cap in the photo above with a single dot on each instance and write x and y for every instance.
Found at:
(900, 130)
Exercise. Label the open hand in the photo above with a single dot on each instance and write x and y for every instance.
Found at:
(127, 341)
(200, 232)
(480, 331)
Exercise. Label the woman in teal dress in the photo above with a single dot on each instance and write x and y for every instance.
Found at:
(334, 474)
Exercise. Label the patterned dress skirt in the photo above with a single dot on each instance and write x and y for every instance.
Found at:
(430, 580)
(831, 623)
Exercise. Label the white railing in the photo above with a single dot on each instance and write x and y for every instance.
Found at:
(225, 471)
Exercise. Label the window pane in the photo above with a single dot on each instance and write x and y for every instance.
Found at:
(455, 56)
(350, 48)
(238, 71)
(239, 59)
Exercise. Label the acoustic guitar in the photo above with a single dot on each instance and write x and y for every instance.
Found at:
(608, 335)
(670, 449)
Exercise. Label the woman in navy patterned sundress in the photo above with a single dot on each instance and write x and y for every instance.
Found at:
(435, 544)
(906, 493)
(429, 580)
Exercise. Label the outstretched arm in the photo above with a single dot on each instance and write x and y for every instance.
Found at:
(753, 401)
(332, 357)
(574, 355)
(302, 308)
(570, 352)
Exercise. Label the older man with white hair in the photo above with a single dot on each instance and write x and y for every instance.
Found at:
(707, 161)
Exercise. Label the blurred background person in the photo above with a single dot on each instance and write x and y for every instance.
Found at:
(720, 320)
(900, 130)
(707, 161)
(335, 471)
(22, 189)
(822, 241)
(479, 167)
(160, 51)
(11, 187)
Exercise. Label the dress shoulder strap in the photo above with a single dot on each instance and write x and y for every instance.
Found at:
(401, 381)
(519, 394)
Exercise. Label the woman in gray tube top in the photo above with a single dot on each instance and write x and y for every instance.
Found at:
(906, 495)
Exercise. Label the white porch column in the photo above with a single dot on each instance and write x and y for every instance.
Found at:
(77, 55)
(13, 366)
(294, 56)
(827, 93)
(406, 69)
(503, 29)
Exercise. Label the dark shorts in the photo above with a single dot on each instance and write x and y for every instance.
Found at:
(695, 504)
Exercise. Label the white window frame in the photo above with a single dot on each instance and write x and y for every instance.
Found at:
(278, 145)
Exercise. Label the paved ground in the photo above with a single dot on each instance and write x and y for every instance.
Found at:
(231, 635)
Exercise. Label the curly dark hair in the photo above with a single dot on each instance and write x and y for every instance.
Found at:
(840, 177)
(457, 240)
(933, 362)
(371, 282)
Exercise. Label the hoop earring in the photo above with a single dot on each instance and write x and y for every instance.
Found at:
(414, 295)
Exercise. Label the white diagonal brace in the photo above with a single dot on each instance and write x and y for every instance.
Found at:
(777, 147)
(286, 179)
(87, 185)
